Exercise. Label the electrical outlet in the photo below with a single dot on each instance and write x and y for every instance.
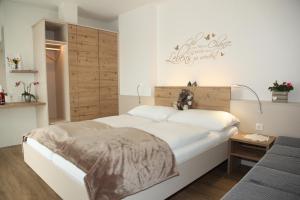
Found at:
(259, 126)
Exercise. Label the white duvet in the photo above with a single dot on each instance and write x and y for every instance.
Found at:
(175, 134)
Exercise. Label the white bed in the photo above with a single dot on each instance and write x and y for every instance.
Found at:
(197, 149)
(188, 148)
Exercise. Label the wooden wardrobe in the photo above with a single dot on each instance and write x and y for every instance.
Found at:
(93, 71)
(85, 61)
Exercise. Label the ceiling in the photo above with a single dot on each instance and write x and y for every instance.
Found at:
(98, 9)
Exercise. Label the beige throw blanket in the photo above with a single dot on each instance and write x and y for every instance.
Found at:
(118, 161)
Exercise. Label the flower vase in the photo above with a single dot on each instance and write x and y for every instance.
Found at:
(280, 97)
(16, 65)
(27, 98)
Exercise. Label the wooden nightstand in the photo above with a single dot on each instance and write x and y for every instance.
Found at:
(243, 148)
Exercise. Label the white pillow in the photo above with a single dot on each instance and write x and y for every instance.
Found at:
(212, 120)
(157, 113)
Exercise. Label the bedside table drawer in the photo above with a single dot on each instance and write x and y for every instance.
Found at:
(247, 151)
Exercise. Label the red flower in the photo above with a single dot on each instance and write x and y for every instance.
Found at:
(289, 84)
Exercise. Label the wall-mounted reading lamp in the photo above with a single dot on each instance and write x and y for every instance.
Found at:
(251, 90)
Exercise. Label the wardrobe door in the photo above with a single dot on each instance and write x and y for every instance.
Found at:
(73, 72)
(108, 61)
(88, 73)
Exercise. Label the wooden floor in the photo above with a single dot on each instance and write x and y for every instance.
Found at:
(19, 182)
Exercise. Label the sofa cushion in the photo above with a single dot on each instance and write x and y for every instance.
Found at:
(279, 162)
(285, 151)
(275, 179)
(288, 141)
(251, 191)
(275, 176)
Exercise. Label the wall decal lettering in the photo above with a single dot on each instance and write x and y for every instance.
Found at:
(199, 47)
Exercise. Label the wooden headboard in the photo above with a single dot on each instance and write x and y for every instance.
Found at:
(209, 98)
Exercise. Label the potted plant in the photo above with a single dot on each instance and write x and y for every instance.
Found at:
(27, 95)
(14, 61)
(280, 91)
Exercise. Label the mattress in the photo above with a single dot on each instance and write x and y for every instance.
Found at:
(185, 143)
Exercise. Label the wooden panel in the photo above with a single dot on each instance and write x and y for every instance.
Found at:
(72, 34)
(109, 75)
(108, 83)
(33, 71)
(83, 47)
(72, 28)
(21, 104)
(88, 58)
(88, 48)
(84, 73)
(108, 61)
(72, 46)
(87, 36)
(73, 58)
(109, 91)
(74, 101)
(72, 37)
(73, 73)
(210, 98)
(108, 51)
(88, 112)
(93, 92)
(108, 108)
(89, 85)
(89, 99)
(75, 114)
(109, 66)
(87, 69)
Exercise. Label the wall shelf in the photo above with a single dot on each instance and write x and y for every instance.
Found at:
(33, 71)
(21, 104)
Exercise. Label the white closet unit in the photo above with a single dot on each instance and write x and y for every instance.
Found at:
(50, 55)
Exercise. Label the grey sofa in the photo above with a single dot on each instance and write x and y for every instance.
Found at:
(276, 176)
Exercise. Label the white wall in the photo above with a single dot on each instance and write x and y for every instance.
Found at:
(138, 50)
(112, 26)
(2, 67)
(265, 47)
(14, 123)
(19, 40)
(18, 19)
(2, 58)
(265, 43)
(264, 35)
(68, 12)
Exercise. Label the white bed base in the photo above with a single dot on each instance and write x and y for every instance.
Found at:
(69, 188)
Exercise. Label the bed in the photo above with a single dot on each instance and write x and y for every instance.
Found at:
(194, 155)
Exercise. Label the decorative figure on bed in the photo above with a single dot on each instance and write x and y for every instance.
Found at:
(201, 46)
(185, 100)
